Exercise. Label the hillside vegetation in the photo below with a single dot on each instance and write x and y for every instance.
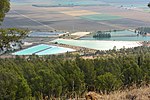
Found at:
(54, 77)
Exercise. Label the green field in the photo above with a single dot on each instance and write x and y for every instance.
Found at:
(100, 17)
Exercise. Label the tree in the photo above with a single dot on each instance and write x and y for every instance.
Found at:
(11, 35)
(145, 67)
(74, 77)
(13, 86)
(4, 8)
(132, 73)
(8, 84)
(87, 67)
(108, 82)
(148, 5)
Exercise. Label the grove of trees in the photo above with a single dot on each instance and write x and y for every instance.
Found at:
(144, 29)
(100, 34)
(35, 78)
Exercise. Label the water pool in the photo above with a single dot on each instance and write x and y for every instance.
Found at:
(55, 50)
(43, 49)
(45, 34)
(139, 38)
(99, 45)
(122, 33)
(120, 36)
(32, 50)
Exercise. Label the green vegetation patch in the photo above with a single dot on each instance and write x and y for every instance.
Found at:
(36, 78)
(100, 17)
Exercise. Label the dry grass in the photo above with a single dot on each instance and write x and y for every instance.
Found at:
(142, 93)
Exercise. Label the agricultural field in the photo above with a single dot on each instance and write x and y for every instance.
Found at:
(78, 17)
(100, 17)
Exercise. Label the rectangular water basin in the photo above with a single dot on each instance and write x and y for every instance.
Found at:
(43, 49)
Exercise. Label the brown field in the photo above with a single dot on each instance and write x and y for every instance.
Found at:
(66, 18)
